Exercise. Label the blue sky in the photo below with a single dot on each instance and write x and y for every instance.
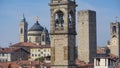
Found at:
(11, 12)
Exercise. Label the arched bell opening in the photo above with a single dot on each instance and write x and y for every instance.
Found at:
(114, 29)
(59, 20)
(71, 20)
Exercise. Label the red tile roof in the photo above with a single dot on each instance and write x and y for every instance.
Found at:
(32, 45)
(9, 65)
(110, 56)
(8, 50)
(27, 44)
(27, 63)
(82, 64)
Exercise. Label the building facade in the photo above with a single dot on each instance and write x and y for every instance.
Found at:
(87, 44)
(5, 57)
(103, 50)
(36, 51)
(104, 62)
(40, 51)
(63, 33)
(13, 54)
(114, 44)
(36, 34)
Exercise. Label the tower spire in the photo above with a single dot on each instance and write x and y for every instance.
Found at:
(23, 19)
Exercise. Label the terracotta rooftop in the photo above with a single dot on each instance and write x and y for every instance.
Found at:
(23, 44)
(8, 50)
(27, 63)
(82, 64)
(110, 56)
(9, 65)
(114, 57)
(27, 44)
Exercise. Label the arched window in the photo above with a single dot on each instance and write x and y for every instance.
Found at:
(29, 39)
(114, 29)
(37, 39)
(59, 19)
(70, 19)
(25, 30)
(43, 38)
(21, 30)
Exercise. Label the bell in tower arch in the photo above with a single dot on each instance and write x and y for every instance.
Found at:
(114, 29)
(59, 19)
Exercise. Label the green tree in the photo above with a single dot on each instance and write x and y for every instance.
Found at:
(41, 59)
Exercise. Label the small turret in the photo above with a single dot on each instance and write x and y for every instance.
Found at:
(45, 37)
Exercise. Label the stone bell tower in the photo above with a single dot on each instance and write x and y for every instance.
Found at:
(115, 38)
(63, 33)
(23, 30)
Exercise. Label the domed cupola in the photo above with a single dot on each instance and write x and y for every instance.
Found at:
(36, 26)
(35, 32)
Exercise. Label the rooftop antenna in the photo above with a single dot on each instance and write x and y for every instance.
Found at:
(10, 43)
(23, 15)
(116, 18)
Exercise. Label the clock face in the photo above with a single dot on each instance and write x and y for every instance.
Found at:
(114, 41)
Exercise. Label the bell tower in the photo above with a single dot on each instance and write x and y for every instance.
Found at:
(23, 30)
(63, 33)
(115, 38)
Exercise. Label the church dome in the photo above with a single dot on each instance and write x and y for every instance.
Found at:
(36, 27)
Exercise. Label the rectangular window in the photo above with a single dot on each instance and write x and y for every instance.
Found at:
(6, 60)
(3, 54)
(35, 54)
(109, 62)
(32, 54)
(47, 54)
(41, 52)
(39, 55)
(98, 62)
(44, 55)
(38, 50)
(105, 62)
(44, 50)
